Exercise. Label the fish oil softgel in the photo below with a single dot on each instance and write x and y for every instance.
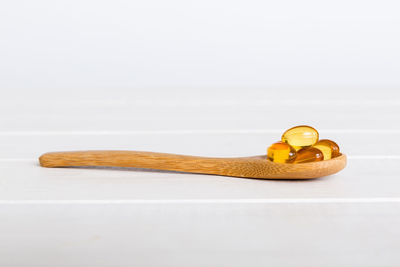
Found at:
(309, 154)
(300, 144)
(329, 148)
(281, 152)
(300, 136)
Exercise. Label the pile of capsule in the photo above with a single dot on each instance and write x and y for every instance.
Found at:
(301, 144)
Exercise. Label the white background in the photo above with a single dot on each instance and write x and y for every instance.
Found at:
(211, 78)
(125, 44)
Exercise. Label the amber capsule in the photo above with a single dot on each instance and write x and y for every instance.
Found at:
(300, 136)
(281, 152)
(309, 154)
(329, 148)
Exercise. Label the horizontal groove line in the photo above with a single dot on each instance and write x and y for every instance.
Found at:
(201, 103)
(374, 157)
(355, 157)
(250, 131)
(204, 201)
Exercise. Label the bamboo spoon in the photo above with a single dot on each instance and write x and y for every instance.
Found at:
(246, 167)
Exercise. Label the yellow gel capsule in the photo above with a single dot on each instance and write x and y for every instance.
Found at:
(300, 136)
(329, 148)
(281, 152)
(309, 154)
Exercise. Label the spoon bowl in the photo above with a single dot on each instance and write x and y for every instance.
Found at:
(245, 167)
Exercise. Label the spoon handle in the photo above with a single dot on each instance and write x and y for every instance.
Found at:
(138, 159)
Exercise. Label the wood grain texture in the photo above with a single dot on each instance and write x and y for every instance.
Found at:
(246, 167)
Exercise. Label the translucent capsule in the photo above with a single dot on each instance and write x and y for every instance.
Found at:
(300, 136)
(281, 152)
(309, 154)
(329, 148)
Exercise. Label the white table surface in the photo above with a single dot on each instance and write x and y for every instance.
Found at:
(208, 78)
(133, 217)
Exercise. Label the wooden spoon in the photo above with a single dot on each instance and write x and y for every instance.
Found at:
(247, 167)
